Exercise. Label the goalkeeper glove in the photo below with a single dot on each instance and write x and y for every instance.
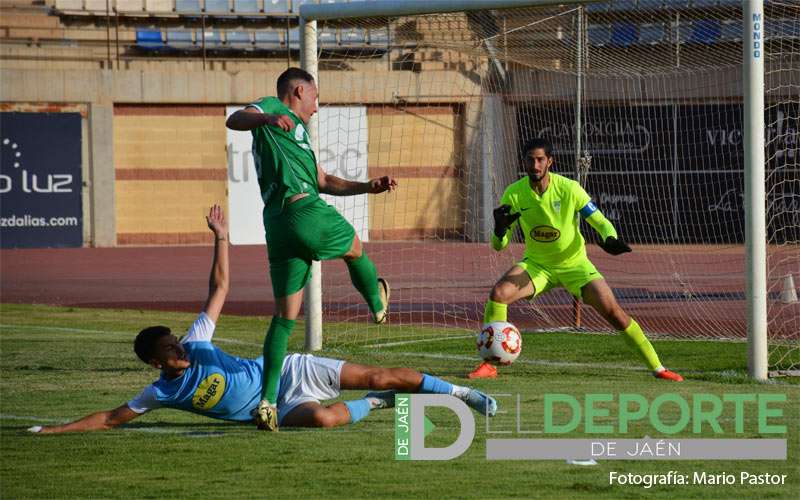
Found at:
(615, 246)
(503, 218)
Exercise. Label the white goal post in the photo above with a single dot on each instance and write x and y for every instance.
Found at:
(755, 200)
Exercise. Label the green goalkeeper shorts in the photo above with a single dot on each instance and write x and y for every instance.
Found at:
(572, 275)
(307, 230)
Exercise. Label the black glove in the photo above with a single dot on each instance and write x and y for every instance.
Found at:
(503, 218)
(615, 246)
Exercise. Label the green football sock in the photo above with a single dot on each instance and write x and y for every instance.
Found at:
(274, 352)
(634, 337)
(494, 311)
(365, 279)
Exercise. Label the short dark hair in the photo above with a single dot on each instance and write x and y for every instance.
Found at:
(538, 143)
(288, 77)
(145, 343)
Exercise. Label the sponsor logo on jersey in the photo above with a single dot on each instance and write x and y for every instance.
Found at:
(209, 392)
(557, 206)
(545, 234)
(299, 133)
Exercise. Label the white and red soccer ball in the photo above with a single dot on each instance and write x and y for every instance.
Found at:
(499, 342)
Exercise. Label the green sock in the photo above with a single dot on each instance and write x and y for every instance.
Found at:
(365, 279)
(494, 311)
(634, 337)
(274, 352)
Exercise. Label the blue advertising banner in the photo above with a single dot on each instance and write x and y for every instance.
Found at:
(40, 180)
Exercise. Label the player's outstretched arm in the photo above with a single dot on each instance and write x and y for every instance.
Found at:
(330, 184)
(250, 118)
(609, 240)
(100, 421)
(219, 280)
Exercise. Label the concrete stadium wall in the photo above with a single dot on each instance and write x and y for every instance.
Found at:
(170, 167)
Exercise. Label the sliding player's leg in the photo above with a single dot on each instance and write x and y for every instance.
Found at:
(314, 414)
(393, 380)
(598, 294)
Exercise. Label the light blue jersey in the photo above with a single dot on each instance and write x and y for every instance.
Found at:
(216, 384)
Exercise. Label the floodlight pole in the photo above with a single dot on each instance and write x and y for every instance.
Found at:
(313, 290)
(755, 231)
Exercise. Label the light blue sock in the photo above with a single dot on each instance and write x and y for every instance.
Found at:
(358, 408)
(435, 385)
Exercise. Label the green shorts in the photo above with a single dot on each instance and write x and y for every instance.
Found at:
(307, 230)
(573, 277)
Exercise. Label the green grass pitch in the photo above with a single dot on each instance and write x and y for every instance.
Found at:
(62, 363)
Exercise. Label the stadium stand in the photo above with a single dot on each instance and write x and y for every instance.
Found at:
(276, 7)
(624, 34)
(246, 6)
(149, 39)
(268, 40)
(239, 40)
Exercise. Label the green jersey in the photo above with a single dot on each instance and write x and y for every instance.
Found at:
(550, 221)
(285, 161)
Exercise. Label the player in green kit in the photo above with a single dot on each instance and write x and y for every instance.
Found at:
(546, 206)
(300, 227)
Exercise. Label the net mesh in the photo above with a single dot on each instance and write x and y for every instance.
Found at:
(654, 91)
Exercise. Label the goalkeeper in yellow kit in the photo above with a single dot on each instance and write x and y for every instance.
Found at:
(546, 206)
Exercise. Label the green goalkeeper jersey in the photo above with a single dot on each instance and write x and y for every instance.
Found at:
(285, 161)
(550, 221)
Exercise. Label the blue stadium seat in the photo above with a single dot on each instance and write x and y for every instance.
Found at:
(651, 4)
(213, 39)
(245, 6)
(187, 6)
(622, 5)
(276, 6)
(782, 28)
(327, 37)
(731, 31)
(730, 3)
(268, 39)
(297, 3)
(217, 6)
(238, 40)
(149, 39)
(294, 39)
(180, 39)
(597, 7)
(354, 36)
(379, 37)
(704, 3)
(705, 31)
(598, 34)
(623, 34)
(651, 34)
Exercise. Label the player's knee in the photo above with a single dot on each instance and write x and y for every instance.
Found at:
(324, 418)
(378, 379)
(502, 292)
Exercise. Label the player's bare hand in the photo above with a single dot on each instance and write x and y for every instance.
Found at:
(216, 221)
(282, 121)
(615, 246)
(382, 184)
(503, 218)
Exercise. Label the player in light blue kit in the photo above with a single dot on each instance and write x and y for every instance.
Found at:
(199, 377)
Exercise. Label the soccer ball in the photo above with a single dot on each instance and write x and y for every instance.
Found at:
(499, 342)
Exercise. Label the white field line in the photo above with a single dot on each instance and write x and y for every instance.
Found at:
(420, 341)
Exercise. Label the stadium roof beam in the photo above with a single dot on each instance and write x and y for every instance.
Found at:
(394, 8)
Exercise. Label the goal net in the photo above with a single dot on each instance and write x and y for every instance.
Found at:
(643, 103)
